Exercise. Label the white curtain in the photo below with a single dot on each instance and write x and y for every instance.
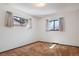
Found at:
(9, 19)
(61, 24)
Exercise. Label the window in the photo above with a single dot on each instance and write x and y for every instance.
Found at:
(19, 21)
(11, 20)
(53, 25)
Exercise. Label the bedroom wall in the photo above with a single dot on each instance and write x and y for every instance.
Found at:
(70, 34)
(16, 36)
(78, 25)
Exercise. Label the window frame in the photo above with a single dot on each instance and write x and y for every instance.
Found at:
(54, 24)
(61, 24)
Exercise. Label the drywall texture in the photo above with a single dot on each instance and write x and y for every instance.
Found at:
(68, 36)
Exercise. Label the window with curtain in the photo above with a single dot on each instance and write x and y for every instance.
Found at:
(55, 24)
(12, 20)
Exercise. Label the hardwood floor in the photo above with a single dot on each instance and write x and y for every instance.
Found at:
(43, 49)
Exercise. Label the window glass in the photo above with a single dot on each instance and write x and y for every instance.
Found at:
(51, 25)
(57, 25)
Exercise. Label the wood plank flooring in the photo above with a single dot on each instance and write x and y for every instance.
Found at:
(43, 49)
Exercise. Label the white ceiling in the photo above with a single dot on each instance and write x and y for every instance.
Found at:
(50, 8)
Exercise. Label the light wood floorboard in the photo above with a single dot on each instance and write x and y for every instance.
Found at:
(43, 49)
